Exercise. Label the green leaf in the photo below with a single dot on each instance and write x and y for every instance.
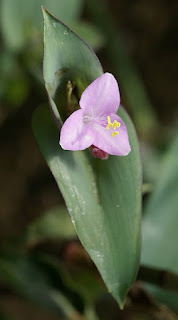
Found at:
(103, 197)
(38, 282)
(160, 221)
(104, 202)
(66, 57)
(21, 20)
(166, 297)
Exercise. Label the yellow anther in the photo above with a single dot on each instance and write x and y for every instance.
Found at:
(115, 133)
(116, 124)
(109, 122)
(113, 125)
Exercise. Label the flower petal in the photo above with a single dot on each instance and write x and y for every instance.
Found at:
(75, 134)
(117, 145)
(101, 96)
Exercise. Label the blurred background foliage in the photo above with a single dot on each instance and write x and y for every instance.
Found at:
(44, 271)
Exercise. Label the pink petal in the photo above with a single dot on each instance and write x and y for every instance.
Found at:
(75, 135)
(117, 145)
(101, 96)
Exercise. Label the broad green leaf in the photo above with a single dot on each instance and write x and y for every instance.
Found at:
(21, 20)
(160, 237)
(66, 57)
(103, 198)
(37, 282)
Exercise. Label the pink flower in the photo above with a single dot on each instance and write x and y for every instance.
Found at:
(96, 122)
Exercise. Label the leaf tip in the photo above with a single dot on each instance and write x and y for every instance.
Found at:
(43, 10)
(46, 12)
(122, 304)
(120, 295)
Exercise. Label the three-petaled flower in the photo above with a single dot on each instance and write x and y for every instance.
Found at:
(96, 122)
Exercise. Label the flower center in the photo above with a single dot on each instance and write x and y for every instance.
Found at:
(92, 118)
(113, 125)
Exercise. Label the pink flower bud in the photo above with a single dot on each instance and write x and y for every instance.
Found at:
(98, 153)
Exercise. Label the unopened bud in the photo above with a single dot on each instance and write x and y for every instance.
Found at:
(98, 153)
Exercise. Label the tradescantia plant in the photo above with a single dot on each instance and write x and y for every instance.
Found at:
(102, 197)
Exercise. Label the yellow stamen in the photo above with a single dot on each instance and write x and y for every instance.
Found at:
(115, 133)
(113, 125)
(109, 122)
(116, 124)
